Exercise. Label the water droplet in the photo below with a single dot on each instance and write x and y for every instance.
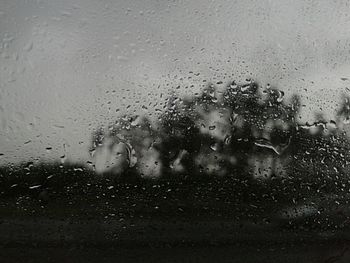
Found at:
(35, 186)
(63, 158)
(92, 152)
(28, 47)
(29, 165)
(214, 147)
(48, 149)
(228, 139)
(280, 95)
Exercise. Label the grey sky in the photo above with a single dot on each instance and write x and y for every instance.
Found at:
(67, 66)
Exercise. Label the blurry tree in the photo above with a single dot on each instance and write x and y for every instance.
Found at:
(240, 130)
(343, 114)
(180, 140)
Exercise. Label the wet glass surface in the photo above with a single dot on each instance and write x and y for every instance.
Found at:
(174, 131)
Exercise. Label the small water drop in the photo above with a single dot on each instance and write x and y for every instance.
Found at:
(280, 95)
(29, 165)
(35, 186)
(28, 47)
(214, 147)
(48, 149)
(228, 139)
(63, 158)
(92, 152)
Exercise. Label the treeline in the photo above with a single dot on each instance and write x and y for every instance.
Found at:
(246, 134)
(244, 131)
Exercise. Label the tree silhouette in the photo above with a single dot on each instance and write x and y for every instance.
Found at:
(179, 138)
(343, 114)
(236, 132)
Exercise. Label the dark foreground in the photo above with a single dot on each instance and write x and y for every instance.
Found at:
(221, 220)
(49, 240)
(304, 253)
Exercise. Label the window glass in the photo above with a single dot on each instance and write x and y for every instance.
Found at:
(174, 126)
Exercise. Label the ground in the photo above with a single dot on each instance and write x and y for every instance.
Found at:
(165, 221)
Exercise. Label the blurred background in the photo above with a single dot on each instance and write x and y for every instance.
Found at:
(67, 67)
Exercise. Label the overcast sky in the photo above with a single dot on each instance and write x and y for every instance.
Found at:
(68, 66)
